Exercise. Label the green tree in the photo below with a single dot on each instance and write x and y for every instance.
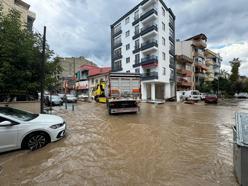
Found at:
(235, 64)
(20, 58)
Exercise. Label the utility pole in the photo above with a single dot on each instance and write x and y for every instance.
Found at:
(43, 71)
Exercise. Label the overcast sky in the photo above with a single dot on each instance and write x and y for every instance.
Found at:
(82, 27)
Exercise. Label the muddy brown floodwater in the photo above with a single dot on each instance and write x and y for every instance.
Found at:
(171, 144)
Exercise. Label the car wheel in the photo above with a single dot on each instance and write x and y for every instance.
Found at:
(36, 140)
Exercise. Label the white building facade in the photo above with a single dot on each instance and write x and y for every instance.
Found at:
(143, 41)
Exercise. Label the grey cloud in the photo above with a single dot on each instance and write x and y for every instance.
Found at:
(82, 27)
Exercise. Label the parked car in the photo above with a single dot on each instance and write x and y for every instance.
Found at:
(21, 129)
(61, 95)
(69, 98)
(241, 95)
(211, 98)
(53, 100)
(191, 95)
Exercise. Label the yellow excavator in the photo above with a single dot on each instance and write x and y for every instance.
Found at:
(99, 92)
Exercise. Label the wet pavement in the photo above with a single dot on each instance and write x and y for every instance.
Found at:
(171, 144)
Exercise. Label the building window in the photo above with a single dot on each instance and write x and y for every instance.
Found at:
(136, 30)
(164, 71)
(96, 81)
(127, 33)
(127, 20)
(137, 44)
(127, 46)
(137, 70)
(137, 59)
(92, 81)
(163, 26)
(128, 60)
(128, 71)
(164, 56)
(163, 11)
(136, 15)
(163, 41)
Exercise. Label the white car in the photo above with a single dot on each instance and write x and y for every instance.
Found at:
(191, 95)
(21, 129)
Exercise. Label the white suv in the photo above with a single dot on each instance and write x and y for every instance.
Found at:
(21, 129)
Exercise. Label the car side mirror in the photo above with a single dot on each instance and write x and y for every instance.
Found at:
(6, 124)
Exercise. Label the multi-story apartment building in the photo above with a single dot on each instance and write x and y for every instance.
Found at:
(27, 16)
(143, 41)
(88, 76)
(191, 62)
(70, 65)
(213, 62)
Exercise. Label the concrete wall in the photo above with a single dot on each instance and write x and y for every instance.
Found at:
(33, 107)
(24, 10)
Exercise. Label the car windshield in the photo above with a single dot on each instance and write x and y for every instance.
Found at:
(55, 98)
(195, 93)
(18, 114)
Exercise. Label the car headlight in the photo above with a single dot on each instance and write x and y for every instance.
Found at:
(57, 126)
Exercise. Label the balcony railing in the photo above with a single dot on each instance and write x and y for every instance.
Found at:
(117, 68)
(117, 45)
(148, 29)
(172, 62)
(171, 39)
(117, 56)
(149, 44)
(149, 76)
(172, 52)
(184, 59)
(117, 32)
(172, 25)
(148, 13)
(136, 34)
(136, 49)
(149, 60)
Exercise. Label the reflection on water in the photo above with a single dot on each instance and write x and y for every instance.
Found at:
(171, 144)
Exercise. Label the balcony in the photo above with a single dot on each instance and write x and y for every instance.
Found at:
(209, 62)
(117, 32)
(136, 20)
(136, 35)
(172, 25)
(172, 52)
(117, 56)
(201, 66)
(200, 43)
(148, 3)
(184, 59)
(136, 49)
(151, 61)
(136, 64)
(172, 63)
(149, 15)
(117, 69)
(152, 29)
(117, 45)
(171, 39)
(172, 78)
(151, 44)
(149, 76)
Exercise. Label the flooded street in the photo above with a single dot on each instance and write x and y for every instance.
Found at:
(171, 144)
